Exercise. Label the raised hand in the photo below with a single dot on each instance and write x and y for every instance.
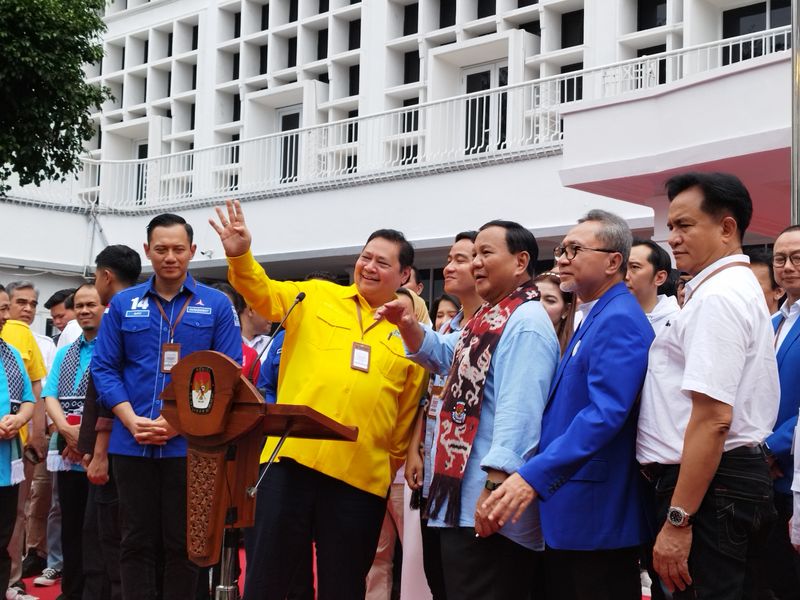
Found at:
(232, 230)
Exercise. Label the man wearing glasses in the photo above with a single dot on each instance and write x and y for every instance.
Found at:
(585, 473)
(783, 566)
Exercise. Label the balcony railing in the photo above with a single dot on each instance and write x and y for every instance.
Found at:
(499, 125)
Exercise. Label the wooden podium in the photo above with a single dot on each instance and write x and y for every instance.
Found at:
(225, 420)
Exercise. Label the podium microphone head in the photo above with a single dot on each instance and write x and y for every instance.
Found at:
(300, 297)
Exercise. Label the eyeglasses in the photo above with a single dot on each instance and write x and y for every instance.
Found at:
(779, 260)
(571, 251)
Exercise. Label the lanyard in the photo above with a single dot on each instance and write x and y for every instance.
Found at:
(715, 272)
(360, 323)
(172, 326)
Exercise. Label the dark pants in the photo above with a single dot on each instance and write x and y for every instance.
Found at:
(777, 561)
(9, 495)
(73, 488)
(732, 522)
(491, 568)
(108, 532)
(296, 506)
(593, 574)
(432, 558)
(152, 506)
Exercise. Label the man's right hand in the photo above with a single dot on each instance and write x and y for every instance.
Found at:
(232, 230)
(97, 471)
(414, 470)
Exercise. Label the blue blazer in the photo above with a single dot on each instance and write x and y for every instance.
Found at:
(585, 471)
(780, 442)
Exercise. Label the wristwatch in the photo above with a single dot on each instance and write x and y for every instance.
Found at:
(678, 517)
(492, 485)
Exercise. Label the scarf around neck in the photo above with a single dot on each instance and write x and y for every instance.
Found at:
(460, 412)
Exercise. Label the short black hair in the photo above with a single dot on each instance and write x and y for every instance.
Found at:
(723, 194)
(518, 239)
(235, 297)
(466, 235)
(121, 260)
(59, 297)
(670, 285)
(415, 271)
(406, 250)
(658, 257)
(435, 305)
(761, 256)
(80, 287)
(2, 288)
(69, 302)
(168, 220)
(790, 228)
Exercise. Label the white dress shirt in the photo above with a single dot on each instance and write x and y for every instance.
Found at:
(721, 345)
(790, 315)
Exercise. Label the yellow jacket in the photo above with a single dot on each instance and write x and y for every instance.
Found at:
(315, 371)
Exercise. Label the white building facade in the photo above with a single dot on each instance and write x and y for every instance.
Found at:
(332, 118)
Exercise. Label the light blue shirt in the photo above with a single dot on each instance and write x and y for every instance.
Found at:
(514, 399)
(5, 409)
(50, 389)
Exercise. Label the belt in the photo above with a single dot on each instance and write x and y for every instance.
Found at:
(653, 471)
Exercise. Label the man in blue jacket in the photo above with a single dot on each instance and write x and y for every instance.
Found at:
(585, 473)
(147, 329)
(782, 565)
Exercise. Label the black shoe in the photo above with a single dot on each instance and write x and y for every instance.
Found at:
(33, 564)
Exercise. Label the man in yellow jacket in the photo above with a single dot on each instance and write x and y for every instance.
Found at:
(339, 360)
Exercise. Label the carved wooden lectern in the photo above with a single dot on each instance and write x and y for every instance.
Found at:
(224, 419)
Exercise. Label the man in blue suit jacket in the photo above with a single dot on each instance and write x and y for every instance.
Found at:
(782, 565)
(585, 472)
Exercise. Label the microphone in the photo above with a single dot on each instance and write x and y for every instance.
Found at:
(298, 299)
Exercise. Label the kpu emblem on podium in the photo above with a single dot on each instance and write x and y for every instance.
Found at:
(201, 390)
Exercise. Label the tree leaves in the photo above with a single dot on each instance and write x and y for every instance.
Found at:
(46, 102)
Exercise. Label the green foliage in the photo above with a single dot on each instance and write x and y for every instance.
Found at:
(44, 101)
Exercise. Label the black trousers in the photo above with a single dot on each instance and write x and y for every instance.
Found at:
(109, 537)
(593, 574)
(9, 495)
(491, 568)
(432, 558)
(733, 520)
(73, 488)
(296, 506)
(152, 503)
(778, 564)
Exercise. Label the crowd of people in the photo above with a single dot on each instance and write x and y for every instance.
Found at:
(561, 435)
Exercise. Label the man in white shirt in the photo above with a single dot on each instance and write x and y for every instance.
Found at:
(62, 313)
(710, 398)
(648, 268)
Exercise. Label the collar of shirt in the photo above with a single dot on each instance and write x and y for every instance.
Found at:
(695, 281)
(791, 311)
(87, 343)
(189, 285)
(585, 308)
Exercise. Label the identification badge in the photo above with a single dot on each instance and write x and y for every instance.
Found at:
(359, 360)
(436, 401)
(170, 355)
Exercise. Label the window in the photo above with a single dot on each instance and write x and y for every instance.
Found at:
(291, 47)
(411, 117)
(237, 107)
(447, 13)
(122, 59)
(194, 77)
(352, 128)
(264, 17)
(169, 83)
(323, 77)
(572, 88)
(411, 67)
(524, 3)
(411, 18)
(146, 51)
(650, 13)
(262, 60)
(324, 5)
(195, 36)
(191, 115)
(169, 43)
(237, 25)
(292, 11)
(741, 21)
(532, 27)
(354, 38)
(354, 75)
(322, 44)
(235, 64)
(655, 71)
(486, 8)
(572, 29)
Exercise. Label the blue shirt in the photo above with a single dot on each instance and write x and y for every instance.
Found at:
(127, 361)
(50, 389)
(514, 398)
(5, 409)
(268, 376)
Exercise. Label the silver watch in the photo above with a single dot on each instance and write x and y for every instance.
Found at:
(678, 517)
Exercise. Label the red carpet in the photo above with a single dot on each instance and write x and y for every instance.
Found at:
(43, 593)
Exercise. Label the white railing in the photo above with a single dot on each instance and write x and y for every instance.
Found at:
(502, 124)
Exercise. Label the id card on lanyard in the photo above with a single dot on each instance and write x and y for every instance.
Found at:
(361, 353)
(171, 352)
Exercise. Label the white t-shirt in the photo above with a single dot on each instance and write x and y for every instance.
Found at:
(259, 343)
(72, 331)
(720, 344)
(790, 315)
(664, 310)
